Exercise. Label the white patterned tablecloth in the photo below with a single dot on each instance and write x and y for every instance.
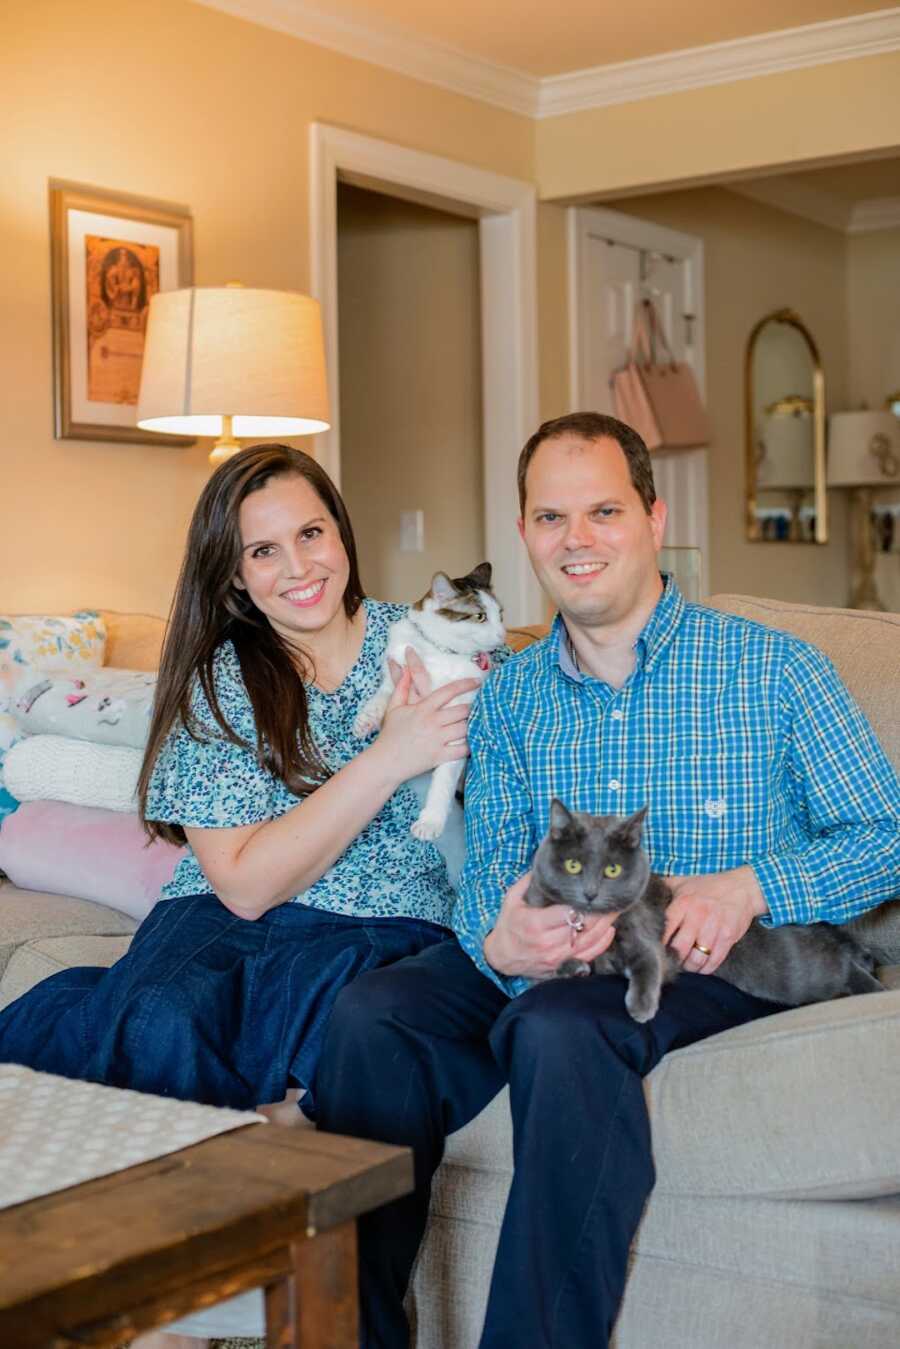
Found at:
(55, 1132)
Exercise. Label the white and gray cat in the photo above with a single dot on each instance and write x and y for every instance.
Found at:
(595, 864)
(453, 628)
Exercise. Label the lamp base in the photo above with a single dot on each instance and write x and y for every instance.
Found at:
(222, 450)
(865, 593)
(226, 445)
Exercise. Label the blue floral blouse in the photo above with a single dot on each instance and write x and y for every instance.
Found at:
(385, 872)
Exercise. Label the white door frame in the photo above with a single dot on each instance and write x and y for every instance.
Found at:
(642, 234)
(505, 209)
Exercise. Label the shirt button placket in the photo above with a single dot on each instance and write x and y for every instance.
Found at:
(614, 784)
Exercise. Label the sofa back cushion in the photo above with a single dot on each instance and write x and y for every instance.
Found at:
(133, 641)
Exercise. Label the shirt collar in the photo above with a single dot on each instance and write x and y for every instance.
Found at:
(652, 640)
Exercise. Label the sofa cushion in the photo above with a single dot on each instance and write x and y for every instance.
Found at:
(37, 960)
(749, 1274)
(31, 915)
(800, 1105)
(764, 1275)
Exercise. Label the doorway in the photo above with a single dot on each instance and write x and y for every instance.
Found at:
(505, 212)
(409, 339)
(615, 261)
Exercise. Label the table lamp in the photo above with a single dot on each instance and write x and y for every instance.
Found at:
(231, 361)
(864, 453)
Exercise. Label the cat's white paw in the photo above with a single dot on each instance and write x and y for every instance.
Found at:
(367, 721)
(427, 827)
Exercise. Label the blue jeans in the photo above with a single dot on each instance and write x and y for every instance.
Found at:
(206, 1006)
(414, 1052)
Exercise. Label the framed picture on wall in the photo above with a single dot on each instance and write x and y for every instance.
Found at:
(110, 255)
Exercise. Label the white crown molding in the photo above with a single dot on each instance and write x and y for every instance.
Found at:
(786, 194)
(881, 213)
(395, 48)
(721, 62)
(399, 49)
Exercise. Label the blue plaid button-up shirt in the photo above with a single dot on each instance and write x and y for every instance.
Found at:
(743, 740)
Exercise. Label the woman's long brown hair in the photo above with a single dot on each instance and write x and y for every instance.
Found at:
(208, 609)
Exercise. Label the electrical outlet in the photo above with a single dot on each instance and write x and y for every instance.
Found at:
(412, 531)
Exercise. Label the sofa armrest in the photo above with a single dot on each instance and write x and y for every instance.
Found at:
(801, 1105)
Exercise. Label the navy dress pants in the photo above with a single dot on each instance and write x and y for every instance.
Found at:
(415, 1051)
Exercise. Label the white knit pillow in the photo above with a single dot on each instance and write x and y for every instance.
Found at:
(54, 768)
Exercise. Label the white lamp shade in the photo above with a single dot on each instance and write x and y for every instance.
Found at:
(853, 438)
(787, 461)
(255, 355)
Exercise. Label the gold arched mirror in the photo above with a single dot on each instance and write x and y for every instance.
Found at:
(784, 396)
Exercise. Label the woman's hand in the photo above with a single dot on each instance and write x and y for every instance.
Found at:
(418, 733)
(709, 914)
(420, 686)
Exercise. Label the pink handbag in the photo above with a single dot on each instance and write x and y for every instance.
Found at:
(659, 400)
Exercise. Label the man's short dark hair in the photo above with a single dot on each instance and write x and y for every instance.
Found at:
(595, 426)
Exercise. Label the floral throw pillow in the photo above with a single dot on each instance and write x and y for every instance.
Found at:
(45, 642)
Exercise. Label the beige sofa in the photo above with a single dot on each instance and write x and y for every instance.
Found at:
(775, 1220)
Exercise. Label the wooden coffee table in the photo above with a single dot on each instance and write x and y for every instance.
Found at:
(262, 1206)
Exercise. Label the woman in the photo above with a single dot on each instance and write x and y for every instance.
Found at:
(301, 871)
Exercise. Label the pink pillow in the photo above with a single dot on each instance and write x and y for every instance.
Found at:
(86, 852)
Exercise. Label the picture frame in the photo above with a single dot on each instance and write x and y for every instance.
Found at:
(110, 252)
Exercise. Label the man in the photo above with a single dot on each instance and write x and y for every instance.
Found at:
(769, 798)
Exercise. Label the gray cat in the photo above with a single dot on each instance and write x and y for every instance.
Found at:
(595, 864)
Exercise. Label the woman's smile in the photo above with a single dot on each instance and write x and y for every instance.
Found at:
(308, 596)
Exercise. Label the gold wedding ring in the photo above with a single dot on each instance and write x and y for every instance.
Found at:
(704, 949)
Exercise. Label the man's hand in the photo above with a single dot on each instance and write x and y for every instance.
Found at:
(533, 943)
(713, 912)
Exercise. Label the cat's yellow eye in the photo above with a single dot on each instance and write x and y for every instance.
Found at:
(572, 865)
(612, 871)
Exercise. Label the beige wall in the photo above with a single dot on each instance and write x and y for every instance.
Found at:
(182, 103)
(553, 313)
(759, 259)
(410, 383)
(830, 111)
(873, 302)
(178, 102)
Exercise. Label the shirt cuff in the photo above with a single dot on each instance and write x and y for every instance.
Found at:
(473, 945)
(786, 889)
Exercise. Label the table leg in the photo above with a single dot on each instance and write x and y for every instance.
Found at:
(317, 1305)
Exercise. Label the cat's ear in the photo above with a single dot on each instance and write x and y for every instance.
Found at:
(442, 588)
(629, 832)
(562, 821)
(480, 576)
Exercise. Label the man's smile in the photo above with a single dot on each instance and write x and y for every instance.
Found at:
(583, 568)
